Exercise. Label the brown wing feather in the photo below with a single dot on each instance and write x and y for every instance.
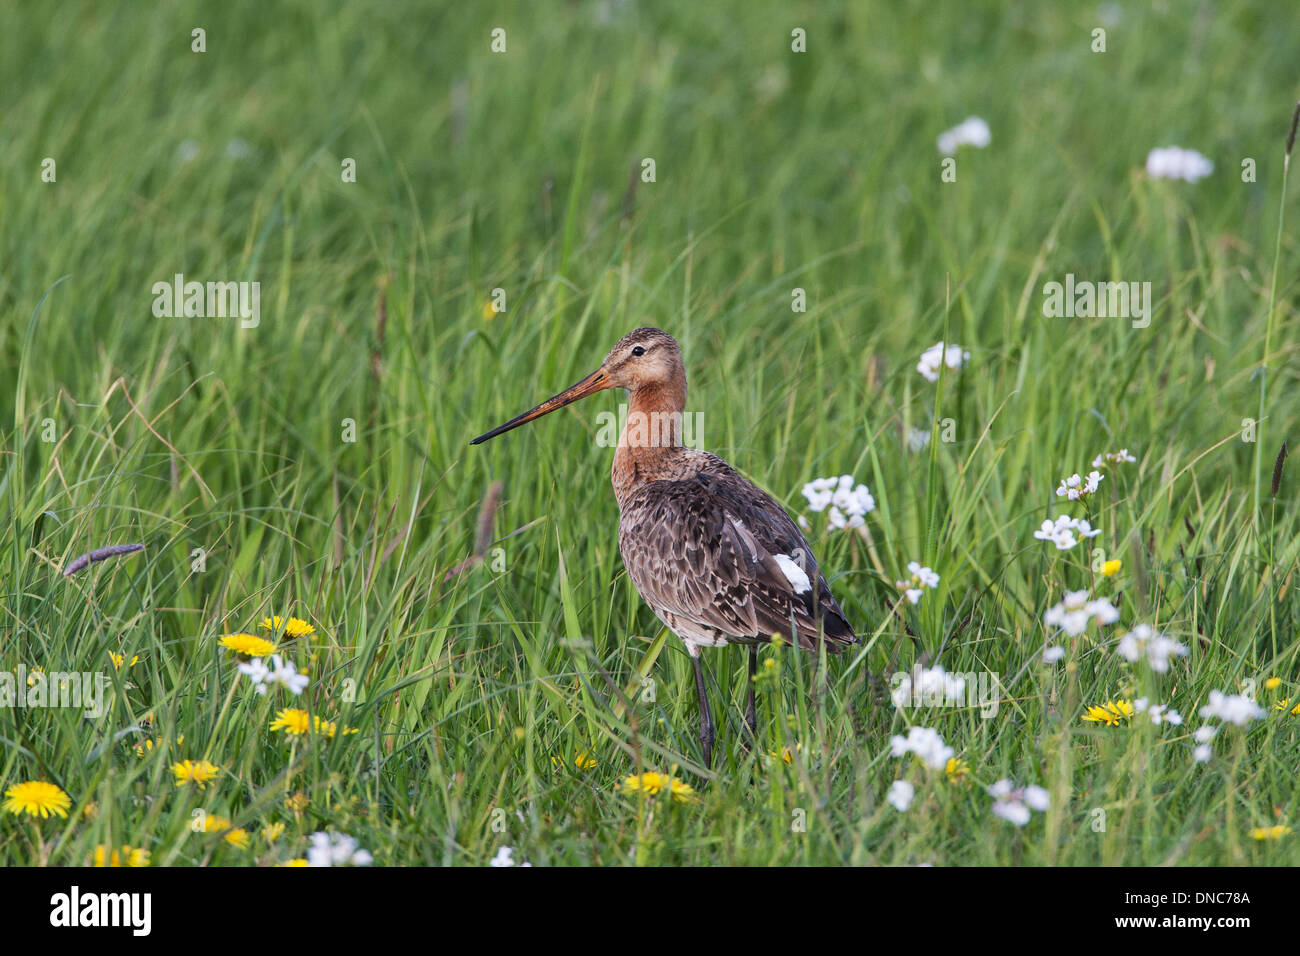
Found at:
(703, 549)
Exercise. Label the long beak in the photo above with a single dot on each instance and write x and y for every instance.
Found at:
(594, 382)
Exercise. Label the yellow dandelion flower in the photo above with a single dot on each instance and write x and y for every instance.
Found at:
(147, 746)
(786, 755)
(296, 721)
(37, 798)
(956, 770)
(120, 659)
(292, 720)
(1112, 713)
(300, 861)
(1270, 833)
(648, 782)
(248, 645)
(489, 309)
(1273, 683)
(652, 783)
(272, 832)
(235, 836)
(1111, 568)
(126, 856)
(582, 761)
(1285, 703)
(295, 628)
(195, 771)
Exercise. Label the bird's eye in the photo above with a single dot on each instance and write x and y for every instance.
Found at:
(638, 351)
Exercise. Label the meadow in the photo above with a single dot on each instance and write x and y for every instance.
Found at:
(444, 234)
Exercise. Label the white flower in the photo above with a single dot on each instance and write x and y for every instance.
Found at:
(900, 795)
(1059, 532)
(926, 744)
(1203, 753)
(1013, 811)
(505, 857)
(1174, 163)
(818, 493)
(264, 677)
(1053, 653)
(1062, 531)
(1085, 530)
(1092, 482)
(257, 672)
(1232, 708)
(926, 576)
(1076, 610)
(917, 440)
(1070, 488)
(939, 354)
(1102, 611)
(922, 578)
(1013, 804)
(971, 131)
(336, 849)
(1036, 798)
(1143, 641)
(931, 687)
(1159, 713)
(848, 503)
(1204, 735)
(1112, 457)
(287, 676)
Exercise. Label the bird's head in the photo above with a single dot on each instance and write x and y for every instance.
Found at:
(645, 360)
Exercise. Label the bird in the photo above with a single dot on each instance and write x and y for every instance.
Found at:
(716, 558)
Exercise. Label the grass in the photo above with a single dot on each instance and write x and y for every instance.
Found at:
(223, 450)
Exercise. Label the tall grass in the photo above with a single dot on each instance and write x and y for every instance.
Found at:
(474, 693)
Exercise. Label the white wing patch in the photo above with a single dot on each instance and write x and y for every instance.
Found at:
(796, 575)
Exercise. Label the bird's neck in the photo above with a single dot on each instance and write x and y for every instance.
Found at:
(650, 443)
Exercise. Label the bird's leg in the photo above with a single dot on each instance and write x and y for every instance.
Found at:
(751, 712)
(706, 716)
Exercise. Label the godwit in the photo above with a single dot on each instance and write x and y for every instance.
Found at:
(714, 556)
